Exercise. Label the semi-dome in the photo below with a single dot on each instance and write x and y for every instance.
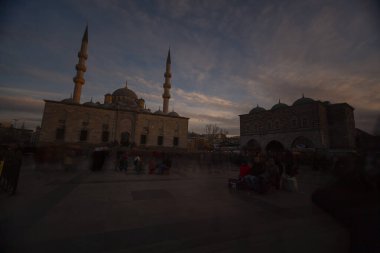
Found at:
(257, 109)
(279, 105)
(173, 113)
(303, 100)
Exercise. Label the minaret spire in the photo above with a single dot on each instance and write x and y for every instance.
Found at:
(81, 68)
(167, 84)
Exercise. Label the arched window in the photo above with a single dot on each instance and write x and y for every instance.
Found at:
(304, 122)
(294, 122)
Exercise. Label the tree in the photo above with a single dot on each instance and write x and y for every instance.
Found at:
(214, 132)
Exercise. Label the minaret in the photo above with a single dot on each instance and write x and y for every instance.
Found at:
(81, 68)
(167, 85)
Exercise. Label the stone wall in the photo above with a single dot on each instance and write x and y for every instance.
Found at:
(74, 118)
(285, 125)
(325, 125)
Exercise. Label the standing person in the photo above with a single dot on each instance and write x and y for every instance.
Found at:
(289, 164)
(137, 163)
(244, 170)
(124, 162)
(280, 166)
(152, 166)
(119, 156)
(271, 174)
(168, 163)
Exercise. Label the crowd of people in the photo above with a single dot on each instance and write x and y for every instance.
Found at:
(264, 172)
(155, 164)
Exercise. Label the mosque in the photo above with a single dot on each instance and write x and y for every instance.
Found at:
(122, 118)
(306, 124)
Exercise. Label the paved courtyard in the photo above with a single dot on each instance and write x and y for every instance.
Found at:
(190, 210)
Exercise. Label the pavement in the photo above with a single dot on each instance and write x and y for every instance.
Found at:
(189, 210)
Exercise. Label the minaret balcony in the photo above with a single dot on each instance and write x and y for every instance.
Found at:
(79, 80)
(81, 67)
(82, 55)
(167, 75)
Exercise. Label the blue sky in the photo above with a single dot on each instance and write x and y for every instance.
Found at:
(227, 56)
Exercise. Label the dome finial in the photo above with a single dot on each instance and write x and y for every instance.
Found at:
(279, 101)
(126, 83)
(303, 96)
(91, 100)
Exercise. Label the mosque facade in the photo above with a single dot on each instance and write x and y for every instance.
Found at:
(306, 124)
(121, 118)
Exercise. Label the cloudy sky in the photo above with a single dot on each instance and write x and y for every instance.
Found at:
(227, 56)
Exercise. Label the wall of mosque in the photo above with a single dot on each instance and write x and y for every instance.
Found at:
(322, 124)
(74, 123)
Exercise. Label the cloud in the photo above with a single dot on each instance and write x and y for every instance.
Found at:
(21, 104)
(16, 93)
(197, 99)
(227, 56)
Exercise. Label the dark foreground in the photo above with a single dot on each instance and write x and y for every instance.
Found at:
(190, 210)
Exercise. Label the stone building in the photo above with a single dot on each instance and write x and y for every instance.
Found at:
(307, 123)
(122, 117)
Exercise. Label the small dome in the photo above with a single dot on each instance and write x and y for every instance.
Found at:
(90, 103)
(173, 113)
(159, 112)
(257, 109)
(67, 100)
(279, 105)
(303, 100)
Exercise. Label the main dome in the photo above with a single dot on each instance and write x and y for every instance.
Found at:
(279, 105)
(257, 109)
(125, 92)
(303, 100)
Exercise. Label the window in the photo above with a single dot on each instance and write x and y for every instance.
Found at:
(304, 122)
(60, 134)
(294, 123)
(83, 135)
(175, 141)
(143, 139)
(105, 136)
(160, 140)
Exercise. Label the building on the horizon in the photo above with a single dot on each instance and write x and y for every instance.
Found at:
(307, 123)
(122, 117)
